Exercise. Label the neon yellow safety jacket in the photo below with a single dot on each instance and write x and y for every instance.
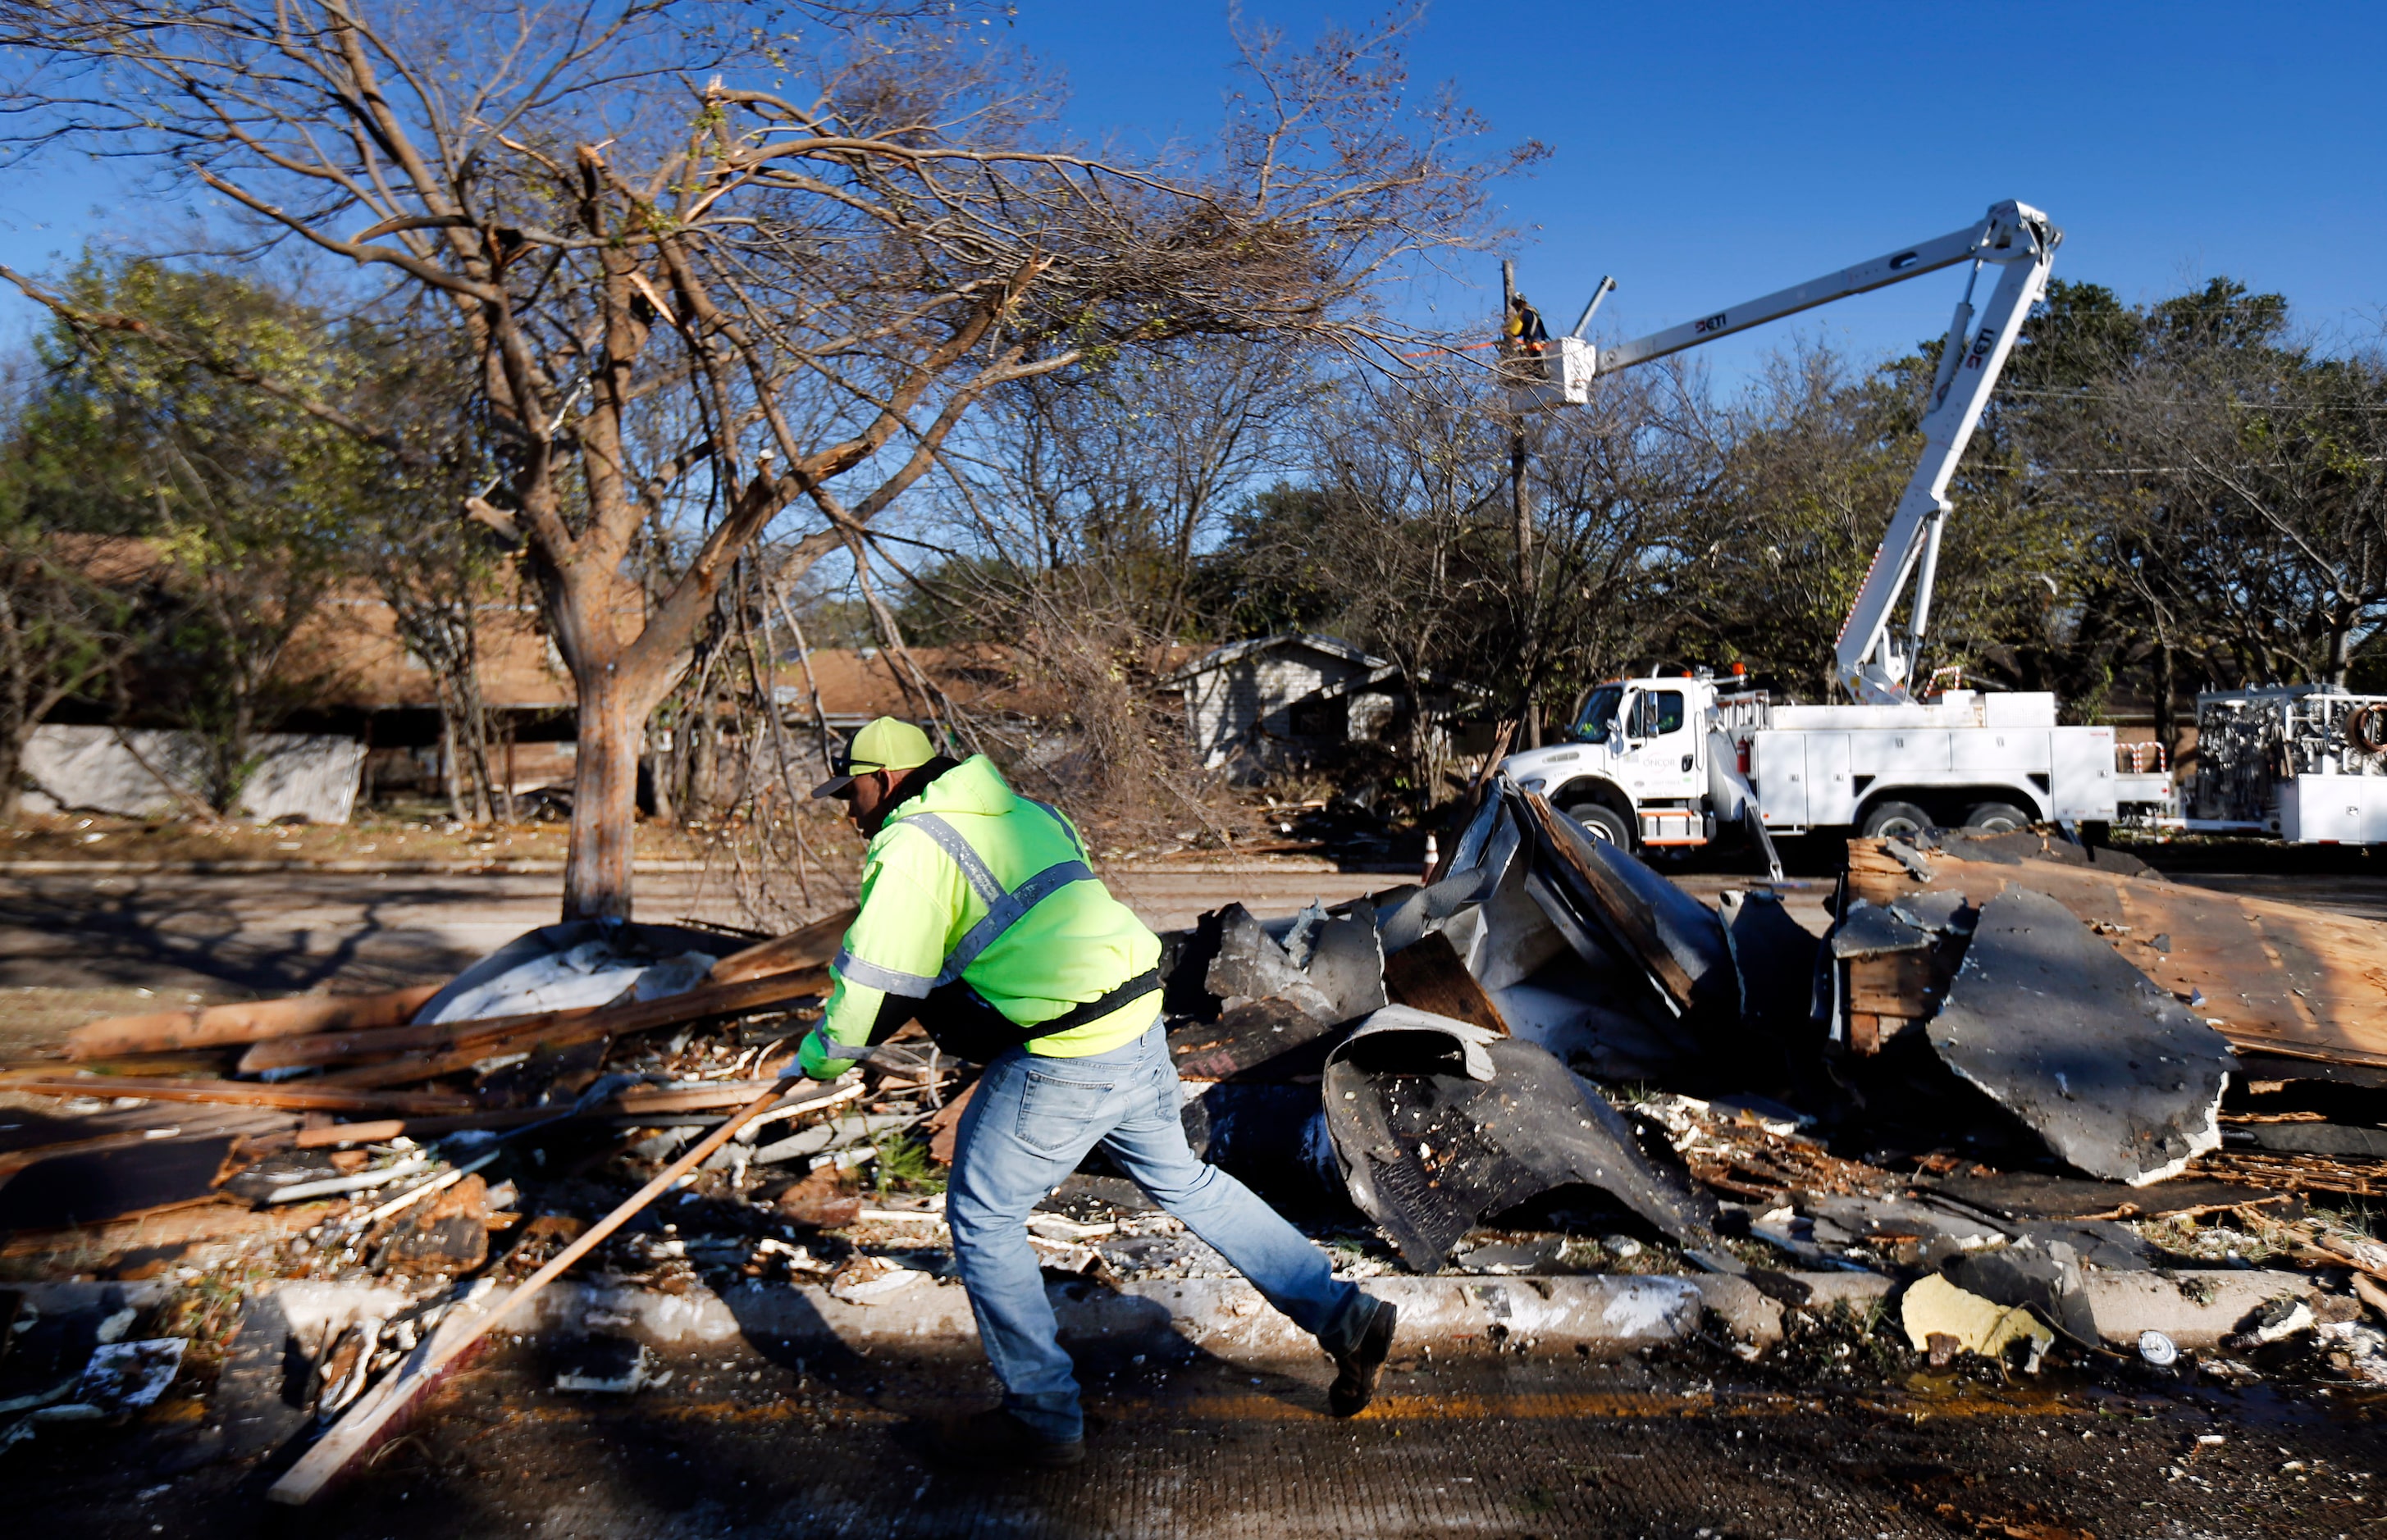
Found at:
(967, 879)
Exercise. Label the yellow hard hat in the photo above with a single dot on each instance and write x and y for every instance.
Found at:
(884, 744)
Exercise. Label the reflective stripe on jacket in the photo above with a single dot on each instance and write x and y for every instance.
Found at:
(968, 879)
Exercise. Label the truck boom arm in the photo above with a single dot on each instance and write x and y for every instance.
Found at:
(1873, 663)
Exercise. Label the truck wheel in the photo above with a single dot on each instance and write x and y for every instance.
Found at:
(1894, 821)
(1996, 818)
(1602, 823)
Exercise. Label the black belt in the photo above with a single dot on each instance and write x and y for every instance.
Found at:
(1095, 1009)
(964, 1023)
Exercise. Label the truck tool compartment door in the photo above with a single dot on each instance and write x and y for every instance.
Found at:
(2003, 753)
(1777, 768)
(1900, 756)
(2081, 782)
(1831, 797)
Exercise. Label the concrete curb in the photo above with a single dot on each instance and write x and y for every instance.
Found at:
(1603, 1315)
(1225, 1317)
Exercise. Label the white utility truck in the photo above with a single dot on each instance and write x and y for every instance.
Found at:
(2295, 762)
(1678, 760)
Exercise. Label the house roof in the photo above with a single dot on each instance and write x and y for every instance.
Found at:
(349, 656)
(1333, 647)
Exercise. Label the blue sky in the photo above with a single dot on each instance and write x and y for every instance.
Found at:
(1707, 153)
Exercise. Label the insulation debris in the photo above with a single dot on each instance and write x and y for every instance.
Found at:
(1942, 1320)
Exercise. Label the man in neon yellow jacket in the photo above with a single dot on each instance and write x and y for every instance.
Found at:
(980, 917)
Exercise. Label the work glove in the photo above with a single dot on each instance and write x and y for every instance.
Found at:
(814, 1058)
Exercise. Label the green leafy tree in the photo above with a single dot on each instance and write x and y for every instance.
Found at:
(249, 506)
(62, 632)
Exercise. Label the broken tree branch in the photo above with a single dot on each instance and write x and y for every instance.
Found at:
(251, 1021)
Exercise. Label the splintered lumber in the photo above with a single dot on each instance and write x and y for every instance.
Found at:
(635, 1101)
(385, 1413)
(488, 1036)
(641, 1100)
(255, 1021)
(2276, 979)
(381, 1130)
(1428, 975)
(293, 1097)
(811, 947)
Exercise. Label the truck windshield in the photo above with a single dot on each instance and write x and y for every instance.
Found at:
(1598, 713)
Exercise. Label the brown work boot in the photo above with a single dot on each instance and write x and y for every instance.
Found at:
(1356, 1367)
(994, 1439)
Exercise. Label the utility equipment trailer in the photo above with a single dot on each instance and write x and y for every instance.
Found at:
(2296, 762)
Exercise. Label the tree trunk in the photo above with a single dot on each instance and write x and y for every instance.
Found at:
(506, 792)
(702, 772)
(604, 802)
(2341, 650)
(659, 781)
(12, 765)
(451, 776)
(2166, 698)
(234, 772)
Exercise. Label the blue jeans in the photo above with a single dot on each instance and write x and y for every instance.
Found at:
(1029, 1124)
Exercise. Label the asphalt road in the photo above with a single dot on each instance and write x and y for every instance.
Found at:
(78, 945)
(744, 1442)
(232, 936)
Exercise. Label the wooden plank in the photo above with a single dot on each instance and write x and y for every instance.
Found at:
(253, 1021)
(293, 1097)
(406, 1068)
(500, 1034)
(811, 947)
(381, 1130)
(631, 1103)
(1622, 908)
(1427, 976)
(2280, 980)
(661, 1099)
(366, 1427)
(1891, 983)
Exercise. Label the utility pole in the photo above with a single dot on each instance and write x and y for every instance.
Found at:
(1521, 505)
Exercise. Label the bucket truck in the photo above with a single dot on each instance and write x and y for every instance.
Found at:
(1675, 761)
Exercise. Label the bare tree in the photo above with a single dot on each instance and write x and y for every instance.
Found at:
(707, 303)
(1625, 491)
(1130, 468)
(2256, 478)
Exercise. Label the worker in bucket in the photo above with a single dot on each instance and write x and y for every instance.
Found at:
(1524, 328)
(980, 918)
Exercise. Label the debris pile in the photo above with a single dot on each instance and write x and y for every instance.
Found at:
(1968, 1078)
(2010, 1069)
